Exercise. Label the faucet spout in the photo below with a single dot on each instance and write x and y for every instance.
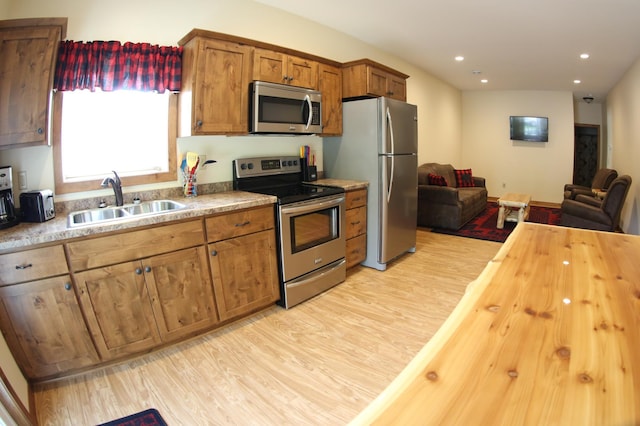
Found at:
(116, 184)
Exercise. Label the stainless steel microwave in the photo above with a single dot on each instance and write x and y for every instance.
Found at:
(278, 108)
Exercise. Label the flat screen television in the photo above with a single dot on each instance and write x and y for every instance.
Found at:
(530, 129)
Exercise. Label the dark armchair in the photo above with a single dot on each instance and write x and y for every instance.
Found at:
(589, 212)
(601, 182)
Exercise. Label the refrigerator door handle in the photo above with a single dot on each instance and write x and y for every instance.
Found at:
(390, 121)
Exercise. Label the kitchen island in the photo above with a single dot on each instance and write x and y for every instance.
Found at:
(547, 334)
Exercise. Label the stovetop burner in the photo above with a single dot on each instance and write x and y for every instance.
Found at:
(277, 176)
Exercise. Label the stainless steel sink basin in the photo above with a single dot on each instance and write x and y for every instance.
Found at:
(128, 211)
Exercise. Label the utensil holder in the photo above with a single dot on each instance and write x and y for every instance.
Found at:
(189, 187)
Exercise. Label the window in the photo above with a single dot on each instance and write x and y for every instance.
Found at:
(131, 132)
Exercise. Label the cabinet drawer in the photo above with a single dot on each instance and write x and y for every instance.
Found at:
(32, 264)
(356, 250)
(357, 198)
(356, 221)
(239, 223)
(119, 248)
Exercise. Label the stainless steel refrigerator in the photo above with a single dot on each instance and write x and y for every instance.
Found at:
(379, 144)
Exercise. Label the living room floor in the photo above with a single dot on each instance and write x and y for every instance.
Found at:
(321, 362)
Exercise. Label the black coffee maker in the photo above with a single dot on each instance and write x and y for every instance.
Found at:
(8, 215)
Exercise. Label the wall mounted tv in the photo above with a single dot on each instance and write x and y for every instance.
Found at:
(530, 129)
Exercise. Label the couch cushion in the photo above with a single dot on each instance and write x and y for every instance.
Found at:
(438, 180)
(464, 178)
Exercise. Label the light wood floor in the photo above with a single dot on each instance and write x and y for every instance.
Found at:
(320, 363)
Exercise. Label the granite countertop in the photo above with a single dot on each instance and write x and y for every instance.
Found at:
(28, 234)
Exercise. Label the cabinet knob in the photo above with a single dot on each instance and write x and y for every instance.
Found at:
(147, 268)
(285, 78)
(67, 286)
(199, 123)
(214, 253)
(40, 131)
(138, 271)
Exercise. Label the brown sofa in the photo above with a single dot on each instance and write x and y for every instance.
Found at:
(448, 207)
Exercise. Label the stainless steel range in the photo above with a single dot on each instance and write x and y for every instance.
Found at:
(310, 224)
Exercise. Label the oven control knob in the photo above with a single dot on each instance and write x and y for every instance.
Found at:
(250, 166)
(295, 162)
(243, 166)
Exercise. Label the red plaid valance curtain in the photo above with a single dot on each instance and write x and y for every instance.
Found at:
(110, 65)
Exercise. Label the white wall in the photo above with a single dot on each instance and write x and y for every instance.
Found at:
(623, 133)
(538, 169)
(165, 22)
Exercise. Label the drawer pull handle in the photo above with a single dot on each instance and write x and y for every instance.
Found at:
(356, 223)
(138, 271)
(67, 286)
(243, 223)
(214, 253)
(27, 266)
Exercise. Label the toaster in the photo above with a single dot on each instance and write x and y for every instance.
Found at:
(37, 206)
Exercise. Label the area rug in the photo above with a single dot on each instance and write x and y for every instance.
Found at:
(149, 417)
(483, 226)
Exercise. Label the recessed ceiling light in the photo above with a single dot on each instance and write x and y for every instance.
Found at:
(584, 56)
(484, 81)
(459, 58)
(577, 81)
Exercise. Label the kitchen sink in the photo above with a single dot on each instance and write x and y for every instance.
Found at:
(128, 211)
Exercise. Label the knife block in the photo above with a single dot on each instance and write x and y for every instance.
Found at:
(309, 173)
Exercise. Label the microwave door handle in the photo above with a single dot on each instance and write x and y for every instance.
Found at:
(308, 100)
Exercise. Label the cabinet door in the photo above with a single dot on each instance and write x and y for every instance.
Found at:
(397, 88)
(27, 57)
(245, 273)
(43, 325)
(270, 66)
(116, 304)
(330, 85)
(181, 292)
(221, 88)
(302, 72)
(376, 82)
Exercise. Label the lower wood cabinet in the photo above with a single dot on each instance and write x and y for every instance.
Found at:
(356, 226)
(135, 306)
(245, 273)
(44, 328)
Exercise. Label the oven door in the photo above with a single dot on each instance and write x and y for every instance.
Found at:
(311, 235)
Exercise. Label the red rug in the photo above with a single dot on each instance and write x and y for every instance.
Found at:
(483, 226)
(149, 417)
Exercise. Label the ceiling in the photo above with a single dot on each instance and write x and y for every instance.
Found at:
(514, 44)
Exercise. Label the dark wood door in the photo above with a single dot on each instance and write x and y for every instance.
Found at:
(586, 153)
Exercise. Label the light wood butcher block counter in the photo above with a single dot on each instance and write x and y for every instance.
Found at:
(549, 334)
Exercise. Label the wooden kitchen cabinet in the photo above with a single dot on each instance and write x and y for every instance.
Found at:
(28, 52)
(135, 306)
(365, 78)
(150, 287)
(215, 86)
(243, 261)
(356, 226)
(330, 85)
(40, 316)
(277, 67)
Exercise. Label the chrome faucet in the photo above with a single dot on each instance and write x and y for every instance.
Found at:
(116, 184)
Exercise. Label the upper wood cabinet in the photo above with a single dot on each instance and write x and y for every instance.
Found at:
(276, 67)
(28, 51)
(365, 78)
(215, 87)
(330, 85)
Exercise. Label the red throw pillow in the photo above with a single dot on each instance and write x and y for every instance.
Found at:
(436, 180)
(464, 178)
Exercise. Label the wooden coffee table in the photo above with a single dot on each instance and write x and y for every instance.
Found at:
(513, 208)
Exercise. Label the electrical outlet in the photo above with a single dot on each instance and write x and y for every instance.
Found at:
(504, 185)
(22, 180)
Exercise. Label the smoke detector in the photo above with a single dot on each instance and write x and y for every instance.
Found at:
(588, 99)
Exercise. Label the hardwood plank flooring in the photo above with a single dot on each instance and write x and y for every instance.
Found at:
(319, 363)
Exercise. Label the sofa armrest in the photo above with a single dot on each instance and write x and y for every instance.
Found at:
(479, 181)
(589, 199)
(584, 211)
(438, 194)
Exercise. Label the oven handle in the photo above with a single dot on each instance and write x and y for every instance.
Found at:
(311, 207)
